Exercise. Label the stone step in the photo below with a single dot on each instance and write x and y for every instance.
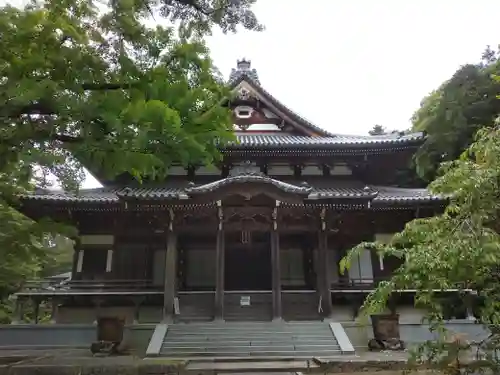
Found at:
(246, 341)
(270, 328)
(211, 344)
(252, 350)
(232, 349)
(254, 324)
(252, 339)
(235, 332)
(280, 354)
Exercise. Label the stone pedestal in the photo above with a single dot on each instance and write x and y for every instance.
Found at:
(386, 333)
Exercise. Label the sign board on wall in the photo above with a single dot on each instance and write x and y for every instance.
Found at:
(245, 301)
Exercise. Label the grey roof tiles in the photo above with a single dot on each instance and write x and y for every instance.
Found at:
(349, 190)
(279, 141)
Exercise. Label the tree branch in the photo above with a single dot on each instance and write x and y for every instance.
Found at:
(193, 4)
(109, 86)
(66, 138)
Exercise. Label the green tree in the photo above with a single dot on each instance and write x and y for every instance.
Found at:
(453, 113)
(458, 249)
(82, 84)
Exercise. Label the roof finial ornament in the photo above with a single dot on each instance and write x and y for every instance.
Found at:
(244, 70)
(243, 64)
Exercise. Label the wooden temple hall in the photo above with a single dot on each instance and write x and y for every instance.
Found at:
(258, 238)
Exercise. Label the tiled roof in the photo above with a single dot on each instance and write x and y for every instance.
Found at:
(388, 194)
(380, 195)
(278, 141)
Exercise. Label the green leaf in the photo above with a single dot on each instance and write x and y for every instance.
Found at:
(93, 85)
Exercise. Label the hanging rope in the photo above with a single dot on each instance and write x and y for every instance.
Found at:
(320, 304)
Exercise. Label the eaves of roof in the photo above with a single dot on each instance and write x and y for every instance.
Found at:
(379, 195)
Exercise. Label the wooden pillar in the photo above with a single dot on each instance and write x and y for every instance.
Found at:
(170, 272)
(36, 309)
(54, 310)
(76, 269)
(324, 267)
(219, 267)
(97, 302)
(19, 311)
(137, 308)
(276, 266)
(109, 261)
(469, 305)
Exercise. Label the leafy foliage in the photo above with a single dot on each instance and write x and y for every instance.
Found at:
(452, 114)
(199, 16)
(458, 249)
(89, 83)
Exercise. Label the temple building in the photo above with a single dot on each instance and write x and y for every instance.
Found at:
(257, 238)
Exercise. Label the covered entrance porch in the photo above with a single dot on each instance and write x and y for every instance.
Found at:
(248, 278)
(256, 267)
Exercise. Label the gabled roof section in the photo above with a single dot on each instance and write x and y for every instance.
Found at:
(245, 78)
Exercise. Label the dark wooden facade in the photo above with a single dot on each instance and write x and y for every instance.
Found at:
(259, 238)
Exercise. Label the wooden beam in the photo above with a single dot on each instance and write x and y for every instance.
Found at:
(324, 268)
(219, 268)
(76, 251)
(170, 273)
(276, 267)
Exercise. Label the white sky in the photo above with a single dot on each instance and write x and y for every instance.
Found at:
(347, 65)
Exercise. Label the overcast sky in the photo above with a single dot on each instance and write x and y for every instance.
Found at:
(348, 65)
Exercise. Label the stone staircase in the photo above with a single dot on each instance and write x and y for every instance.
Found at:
(250, 339)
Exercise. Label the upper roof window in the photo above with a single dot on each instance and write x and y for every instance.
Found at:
(243, 112)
